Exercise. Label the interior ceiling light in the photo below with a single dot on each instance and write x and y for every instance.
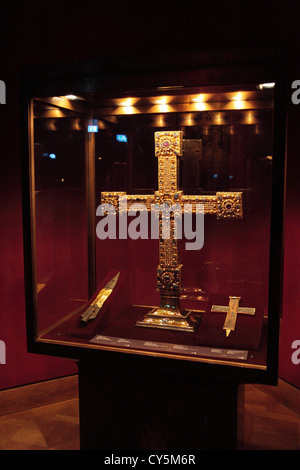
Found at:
(71, 97)
(126, 103)
(237, 97)
(199, 99)
(264, 86)
(162, 100)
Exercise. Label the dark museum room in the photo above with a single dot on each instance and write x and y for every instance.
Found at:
(150, 234)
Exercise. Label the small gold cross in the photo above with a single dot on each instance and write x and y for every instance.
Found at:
(232, 311)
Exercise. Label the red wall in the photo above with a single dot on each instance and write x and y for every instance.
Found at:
(45, 32)
(290, 326)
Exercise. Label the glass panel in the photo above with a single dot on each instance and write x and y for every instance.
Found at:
(220, 140)
(60, 212)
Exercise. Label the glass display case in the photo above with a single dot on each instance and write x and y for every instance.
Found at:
(153, 218)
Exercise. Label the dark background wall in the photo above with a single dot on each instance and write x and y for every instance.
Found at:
(38, 32)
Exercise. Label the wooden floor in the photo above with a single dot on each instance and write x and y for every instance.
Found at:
(269, 419)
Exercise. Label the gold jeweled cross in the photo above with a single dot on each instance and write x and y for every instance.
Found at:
(232, 311)
(168, 147)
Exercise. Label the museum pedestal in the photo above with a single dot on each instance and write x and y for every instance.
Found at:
(129, 410)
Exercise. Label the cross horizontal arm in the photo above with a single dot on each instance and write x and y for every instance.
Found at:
(224, 309)
(222, 204)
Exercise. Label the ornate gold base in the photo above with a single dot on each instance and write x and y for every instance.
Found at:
(162, 318)
(168, 316)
